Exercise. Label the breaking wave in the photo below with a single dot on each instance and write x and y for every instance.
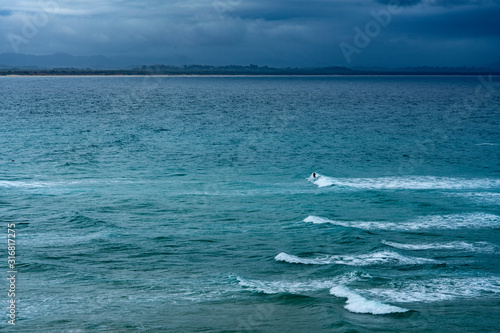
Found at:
(461, 246)
(440, 289)
(377, 258)
(358, 304)
(453, 221)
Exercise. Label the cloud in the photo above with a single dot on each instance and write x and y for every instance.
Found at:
(437, 3)
(278, 32)
(403, 3)
(4, 12)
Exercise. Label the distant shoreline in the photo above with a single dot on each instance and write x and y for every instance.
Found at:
(244, 71)
(11, 75)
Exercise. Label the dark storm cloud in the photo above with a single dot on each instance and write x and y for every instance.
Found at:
(290, 10)
(278, 33)
(480, 23)
(440, 3)
(403, 3)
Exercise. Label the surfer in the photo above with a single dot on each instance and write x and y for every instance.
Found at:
(314, 174)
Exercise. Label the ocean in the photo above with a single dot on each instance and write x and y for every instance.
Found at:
(188, 204)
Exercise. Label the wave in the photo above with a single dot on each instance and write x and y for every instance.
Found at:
(486, 144)
(453, 221)
(42, 184)
(373, 300)
(11, 184)
(358, 304)
(376, 258)
(407, 183)
(278, 287)
(485, 198)
(461, 246)
(440, 289)
(64, 240)
(80, 221)
(336, 286)
(300, 287)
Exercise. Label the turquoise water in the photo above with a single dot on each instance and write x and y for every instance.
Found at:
(187, 204)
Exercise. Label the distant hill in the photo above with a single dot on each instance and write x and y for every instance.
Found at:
(426, 70)
(58, 60)
(66, 64)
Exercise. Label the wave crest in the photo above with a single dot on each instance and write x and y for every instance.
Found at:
(461, 246)
(454, 221)
(358, 304)
(440, 289)
(371, 259)
(280, 286)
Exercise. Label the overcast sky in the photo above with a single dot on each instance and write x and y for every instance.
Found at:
(263, 32)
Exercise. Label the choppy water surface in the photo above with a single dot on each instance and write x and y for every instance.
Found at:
(188, 204)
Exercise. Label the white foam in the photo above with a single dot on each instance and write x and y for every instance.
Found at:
(461, 246)
(321, 220)
(296, 260)
(10, 184)
(407, 183)
(453, 221)
(277, 287)
(358, 304)
(355, 302)
(486, 144)
(41, 184)
(300, 287)
(488, 198)
(440, 289)
(351, 224)
(321, 181)
(376, 258)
